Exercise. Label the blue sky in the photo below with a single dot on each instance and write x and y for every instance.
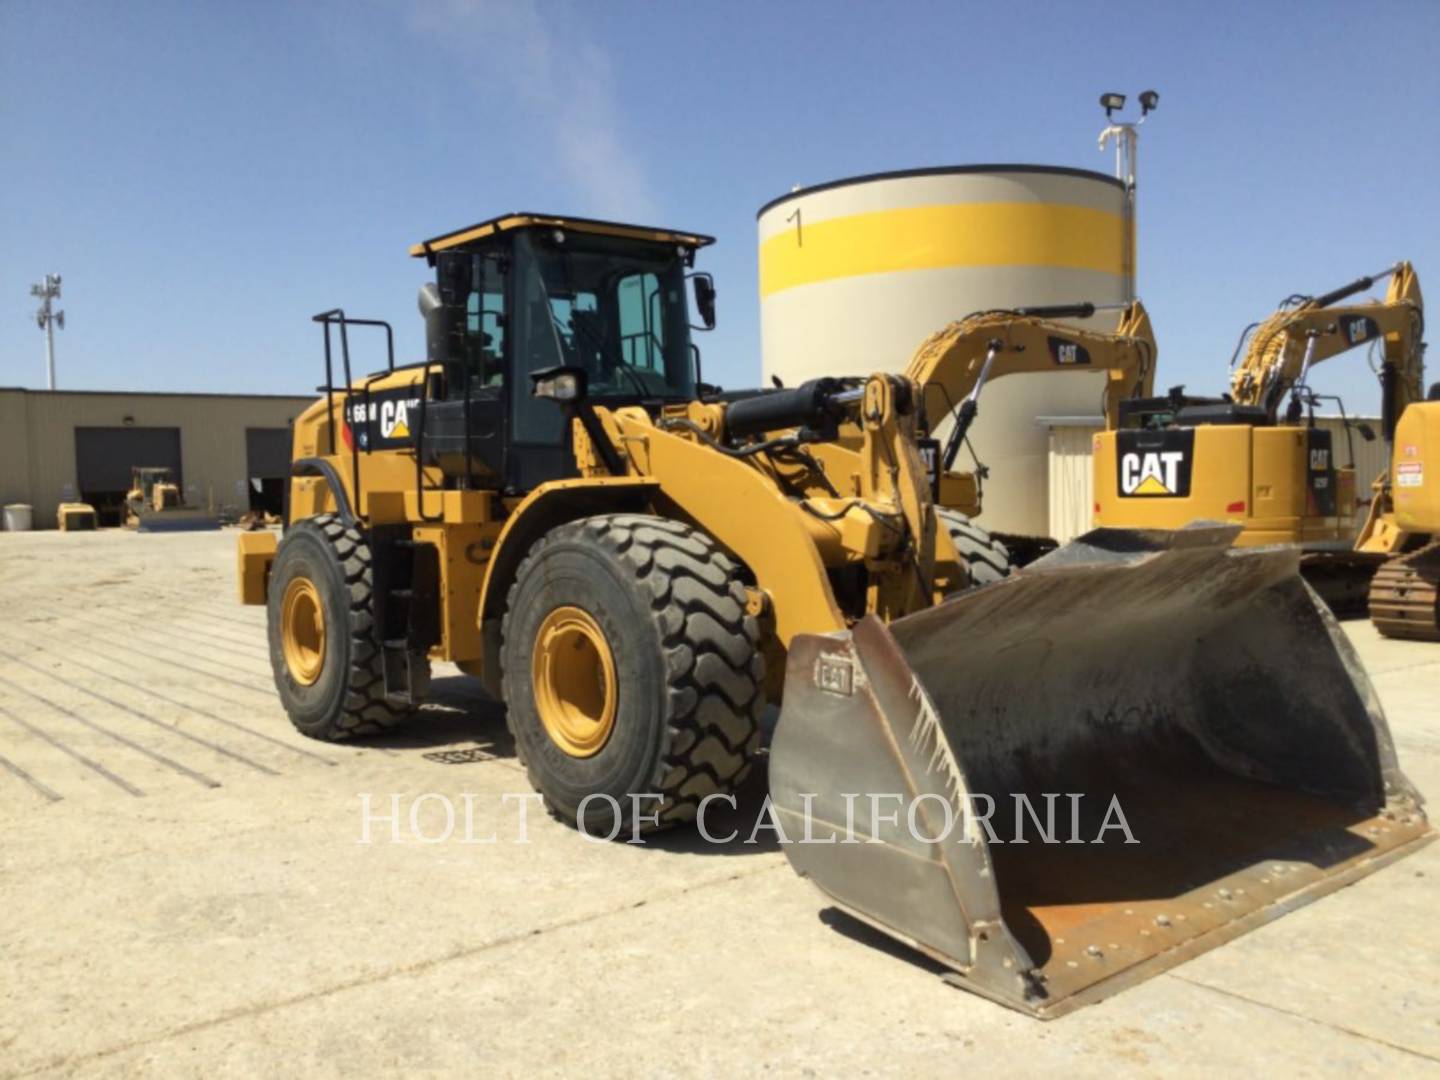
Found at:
(207, 175)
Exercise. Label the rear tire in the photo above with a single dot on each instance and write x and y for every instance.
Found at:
(681, 671)
(330, 679)
(985, 558)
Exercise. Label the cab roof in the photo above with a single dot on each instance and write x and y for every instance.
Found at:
(507, 222)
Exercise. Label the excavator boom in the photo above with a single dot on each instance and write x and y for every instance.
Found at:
(1285, 346)
(954, 364)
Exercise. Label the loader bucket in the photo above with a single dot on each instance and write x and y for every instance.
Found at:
(1201, 689)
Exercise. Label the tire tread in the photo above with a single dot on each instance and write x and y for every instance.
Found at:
(713, 663)
(366, 710)
(986, 559)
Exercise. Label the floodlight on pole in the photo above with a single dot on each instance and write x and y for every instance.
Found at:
(1126, 138)
(48, 319)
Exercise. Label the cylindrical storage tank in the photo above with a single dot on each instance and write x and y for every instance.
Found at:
(855, 274)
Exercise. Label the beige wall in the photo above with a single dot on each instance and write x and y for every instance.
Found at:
(37, 439)
(1071, 480)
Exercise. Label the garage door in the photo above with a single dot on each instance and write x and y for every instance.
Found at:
(267, 452)
(104, 456)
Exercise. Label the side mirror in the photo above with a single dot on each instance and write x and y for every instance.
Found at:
(705, 299)
(1366, 431)
(452, 275)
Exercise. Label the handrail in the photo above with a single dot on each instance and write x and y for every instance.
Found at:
(337, 317)
(419, 444)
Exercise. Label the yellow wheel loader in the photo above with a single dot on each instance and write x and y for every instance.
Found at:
(152, 489)
(1404, 526)
(1239, 459)
(153, 504)
(638, 564)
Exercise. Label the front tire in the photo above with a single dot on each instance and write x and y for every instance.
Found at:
(985, 558)
(323, 652)
(630, 668)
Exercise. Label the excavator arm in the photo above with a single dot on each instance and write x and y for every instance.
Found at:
(1287, 345)
(953, 365)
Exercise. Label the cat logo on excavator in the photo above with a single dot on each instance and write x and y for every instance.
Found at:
(1155, 463)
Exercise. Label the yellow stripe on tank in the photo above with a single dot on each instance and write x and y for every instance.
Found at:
(931, 237)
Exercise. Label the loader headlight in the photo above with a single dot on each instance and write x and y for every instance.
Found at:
(559, 383)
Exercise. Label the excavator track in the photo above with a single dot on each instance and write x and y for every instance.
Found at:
(1405, 595)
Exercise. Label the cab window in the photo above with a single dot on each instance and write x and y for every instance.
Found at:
(485, 326)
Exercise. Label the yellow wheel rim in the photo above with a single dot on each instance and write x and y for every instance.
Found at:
(573, 672)
(302, 630)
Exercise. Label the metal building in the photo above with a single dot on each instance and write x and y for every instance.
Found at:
(228, 450)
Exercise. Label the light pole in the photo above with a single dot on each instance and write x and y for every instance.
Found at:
(48, 320)
(1126, 156)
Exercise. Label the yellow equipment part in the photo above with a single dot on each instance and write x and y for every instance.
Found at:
(302, 630)
(1258, 478)
(575, 685)
(255, 552)
(1415, 472)
(1405, 592)
(75, 517)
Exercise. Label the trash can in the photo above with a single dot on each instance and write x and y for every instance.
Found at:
(18, 517)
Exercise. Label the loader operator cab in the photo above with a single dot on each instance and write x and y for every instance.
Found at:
(522, 294)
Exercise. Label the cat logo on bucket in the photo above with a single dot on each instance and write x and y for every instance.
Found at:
(1154, 463)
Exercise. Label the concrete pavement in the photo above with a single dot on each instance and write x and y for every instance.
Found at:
(186, 891)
